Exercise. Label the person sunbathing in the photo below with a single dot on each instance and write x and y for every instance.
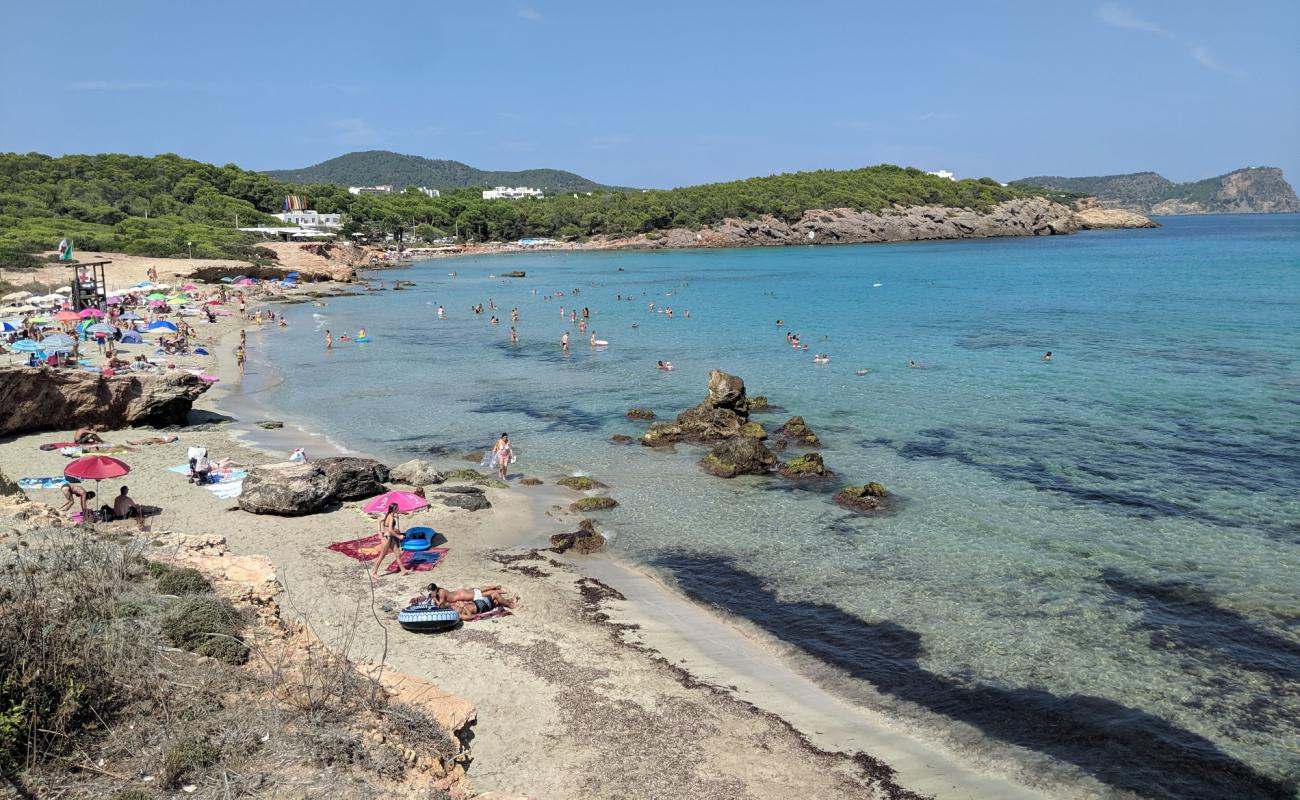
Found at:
(470, 602)
(86, 436)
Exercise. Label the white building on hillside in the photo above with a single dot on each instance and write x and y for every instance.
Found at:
(311, 219)
(510, 193)
(427, 192)
(943, 173)
(382, 189)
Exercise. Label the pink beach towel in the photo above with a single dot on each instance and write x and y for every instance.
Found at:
(367, 549)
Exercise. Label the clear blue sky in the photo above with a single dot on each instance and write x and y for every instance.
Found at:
(665, 93)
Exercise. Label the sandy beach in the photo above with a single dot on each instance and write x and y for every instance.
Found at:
(603, 683)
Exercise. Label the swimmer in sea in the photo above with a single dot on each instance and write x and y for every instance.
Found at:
(495, 321)
(564, 342)
(1047, 356)
(514, 337)
(914, 365)
(361, 334)
(442, 314)
(329, 340)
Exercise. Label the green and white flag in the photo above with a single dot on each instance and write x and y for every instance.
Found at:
(65, 250)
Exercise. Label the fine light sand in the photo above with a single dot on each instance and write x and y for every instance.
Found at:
(586, 690)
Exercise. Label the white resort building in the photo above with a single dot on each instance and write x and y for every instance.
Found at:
(382, 189)
(427, 192)
(311, 219)
(943, 173)
(510, 193)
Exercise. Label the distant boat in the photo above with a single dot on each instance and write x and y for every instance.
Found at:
(451, 274)
(877, 285)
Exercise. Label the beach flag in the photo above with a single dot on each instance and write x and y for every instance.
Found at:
(65, 250)
(294, 202)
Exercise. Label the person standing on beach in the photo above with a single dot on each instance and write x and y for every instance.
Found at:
(329, 340)
(392, 538)
(239, 358)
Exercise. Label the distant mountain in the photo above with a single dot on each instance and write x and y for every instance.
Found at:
(1244, 191)
(375, 167)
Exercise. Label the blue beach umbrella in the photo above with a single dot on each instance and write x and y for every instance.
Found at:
(56, 340)
(291, 275)
(101, 327)
(130, 315)
(28, 346)
(162, 323)
(8, 327)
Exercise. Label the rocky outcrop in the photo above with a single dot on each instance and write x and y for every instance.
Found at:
(640, 413)
(1032, 216)
(809, 465)
(287, 490)
(580, 483)
(599, 503)
(353, 478)
(467, 501)
(585, 540)
(720, 416)
(292, 490)
(48, 399)
(739, 456)
(621, 438)
(1253, 190)
(866, 498)
(797, 431)
(417, 472)
(1095, 218)
(758, 403)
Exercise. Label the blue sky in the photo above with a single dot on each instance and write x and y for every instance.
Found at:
(665, 93)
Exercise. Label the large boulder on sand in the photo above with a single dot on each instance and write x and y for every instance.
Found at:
(354, 478)
(739, 456)
(469, 502)
(287, 490)
(416, 472)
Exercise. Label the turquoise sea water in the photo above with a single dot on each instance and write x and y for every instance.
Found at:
(1093, 569)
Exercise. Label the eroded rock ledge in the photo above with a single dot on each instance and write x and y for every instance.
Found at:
(52, 399)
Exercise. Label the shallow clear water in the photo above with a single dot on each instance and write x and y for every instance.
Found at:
(1094, 561)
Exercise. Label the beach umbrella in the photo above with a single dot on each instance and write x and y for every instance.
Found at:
(406, 502)
(39, 320)
(27, 346)
(63, 290)
(102, 328)
(291, 275)
(130, 315)
(8, 327)
(157, 303)
(162, 323)
(156, 296)
(16, 296)
(67, 316)
(189, 287)
(96, 468)
(91, 312)
(23, 309)
(58, 340)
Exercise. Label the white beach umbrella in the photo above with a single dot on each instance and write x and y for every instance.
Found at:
(63, 290)
(23, 309)
(16, 296)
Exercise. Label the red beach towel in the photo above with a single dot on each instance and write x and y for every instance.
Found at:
(367, 549)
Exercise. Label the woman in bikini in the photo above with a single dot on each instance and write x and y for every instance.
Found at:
(502, 452)
(392, 541)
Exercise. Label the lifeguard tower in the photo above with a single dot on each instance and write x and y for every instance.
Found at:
(89, 289)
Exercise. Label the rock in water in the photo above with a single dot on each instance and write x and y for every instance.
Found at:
(580, 483)
(354, 478)
(640, 413)
(593, 504)
(270, 424)
(809, 465)
(417, 472)
(720, 416)
(796, 429)
(727, 391)
(585, 540)
(739, 456)
(758, 403)
(287, 490)
(621, 438)
(42, 399)
(865, 498)
(752, 430)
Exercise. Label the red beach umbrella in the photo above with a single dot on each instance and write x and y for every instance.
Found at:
(67, 316)
(406, 502)
(96, 468)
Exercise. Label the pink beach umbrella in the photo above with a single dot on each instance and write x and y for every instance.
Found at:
(86, 313)
(406, 502)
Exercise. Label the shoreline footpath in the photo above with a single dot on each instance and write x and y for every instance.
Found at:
(658, 621)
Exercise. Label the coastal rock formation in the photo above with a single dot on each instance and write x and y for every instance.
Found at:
(460, 489)
(621, 438)
(416, 472)
(1092, 214)
(353, 478)
(809, 465)
(580, 483)
(796, 430)
(640, 413)
(600, 503)
(865, 498)
(1253, 190)
(465, 475)
(758, 403)
(287, 490)
(469, 502)
(720, 416)
(739, 456)
(1031, 216)
(46, 399)
(514, 273)
(585, 540)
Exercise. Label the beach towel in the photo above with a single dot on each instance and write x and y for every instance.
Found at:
(42, 483)
(57, 445)
(227, 491)
(367, 549)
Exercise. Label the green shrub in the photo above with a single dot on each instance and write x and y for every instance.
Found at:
(188, 758)
(178, 580)
(208, 626)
